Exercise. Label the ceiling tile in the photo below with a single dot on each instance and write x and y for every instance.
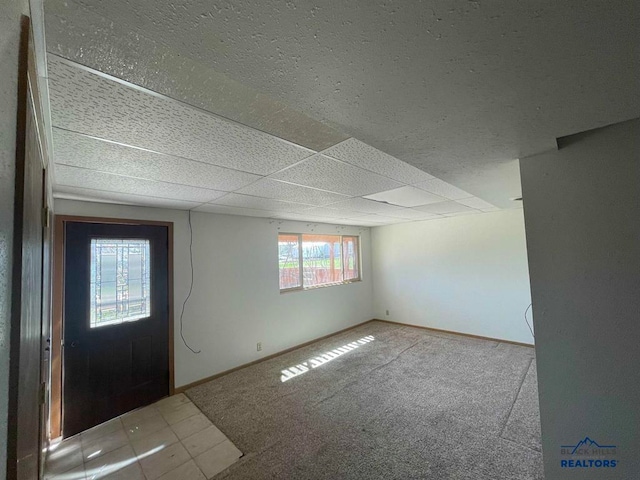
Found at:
(81, 151)
(406, 197)
(335, 176)
(225, 210)
(157, 66)
(442, 188)
(306, 218)
(412, 214)
(88, 195)
(332, 212)
(289, 192)
(475, 202)
(377, 219)
(459, 214)
(444, 208)
(258, 203)
(365, 156)
(366, 206)
(83, 178)
(84, 102)
(349, 222)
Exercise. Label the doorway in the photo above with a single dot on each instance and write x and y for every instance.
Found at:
(116, 315)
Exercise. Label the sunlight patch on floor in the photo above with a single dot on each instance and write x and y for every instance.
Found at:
(297, 370)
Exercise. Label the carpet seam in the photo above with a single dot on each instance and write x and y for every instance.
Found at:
(520, 444)
(369, 372)
(515, 399)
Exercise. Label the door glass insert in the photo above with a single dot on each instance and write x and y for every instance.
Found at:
(120, 281)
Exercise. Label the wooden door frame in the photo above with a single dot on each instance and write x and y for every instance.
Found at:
(58, 306)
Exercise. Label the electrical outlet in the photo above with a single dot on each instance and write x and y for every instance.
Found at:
(259, 346)
(387, 313)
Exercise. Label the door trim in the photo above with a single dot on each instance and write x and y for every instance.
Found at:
(58, 305)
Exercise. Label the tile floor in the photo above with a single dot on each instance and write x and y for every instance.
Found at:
(169, 440)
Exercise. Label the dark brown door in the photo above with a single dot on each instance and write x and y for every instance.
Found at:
(116, 322)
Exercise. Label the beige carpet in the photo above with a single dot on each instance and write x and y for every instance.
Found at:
(383, 401)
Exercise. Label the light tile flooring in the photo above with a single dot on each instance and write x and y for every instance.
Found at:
(169, 440)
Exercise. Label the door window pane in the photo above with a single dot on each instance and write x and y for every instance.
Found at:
(120, 281)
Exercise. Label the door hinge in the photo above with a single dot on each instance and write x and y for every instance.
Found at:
(45, 217)
(43, 393)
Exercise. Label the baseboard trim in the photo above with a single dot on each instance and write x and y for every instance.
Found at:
(480, 337)
(184, 388)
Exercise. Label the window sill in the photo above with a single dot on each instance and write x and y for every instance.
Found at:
(316, 287)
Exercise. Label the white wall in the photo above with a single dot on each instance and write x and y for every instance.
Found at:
(465, 274)
(236, 300)
(582, 211)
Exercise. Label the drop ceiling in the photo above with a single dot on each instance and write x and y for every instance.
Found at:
(298, 111)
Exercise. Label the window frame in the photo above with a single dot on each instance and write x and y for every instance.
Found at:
(302, 287)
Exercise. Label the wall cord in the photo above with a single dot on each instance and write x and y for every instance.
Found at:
(527, 320)
(184, 304)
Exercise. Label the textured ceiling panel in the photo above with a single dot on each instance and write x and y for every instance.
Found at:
(291, 193)
(406, 197)
(155, 66)
(84, 102)
(306, 218)
(332, 212)
(412, 214)
(367, 206)
(83, 178)
(442, 188)
(80, 151)
(474, 202)
(460, 214)
(376, 220)
(225, 210)
(329, 174)
(444, 208)
(453, 87)
(258, 203)
(365, 156)
(88, 195)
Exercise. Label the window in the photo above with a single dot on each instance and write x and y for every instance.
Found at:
(120, 281)
(309, 260)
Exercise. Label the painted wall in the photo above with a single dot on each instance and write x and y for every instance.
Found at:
(582, 211)
(236, 301)
(9, 44)
(464, 274)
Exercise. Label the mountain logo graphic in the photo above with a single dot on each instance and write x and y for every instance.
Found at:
(587, 442)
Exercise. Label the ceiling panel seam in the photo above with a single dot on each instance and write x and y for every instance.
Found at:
(363, 168)
(147, 91)
(144, 149)
(57, 194)
(307, 186)
(136, 178)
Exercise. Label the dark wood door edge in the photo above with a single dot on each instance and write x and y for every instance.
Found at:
(16, 274)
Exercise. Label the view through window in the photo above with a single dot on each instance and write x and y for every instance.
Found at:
(120, 281)
(310, 260)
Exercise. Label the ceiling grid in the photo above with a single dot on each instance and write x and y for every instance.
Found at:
(115, 143)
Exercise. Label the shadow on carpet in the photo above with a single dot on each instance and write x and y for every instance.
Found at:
(408, 404)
